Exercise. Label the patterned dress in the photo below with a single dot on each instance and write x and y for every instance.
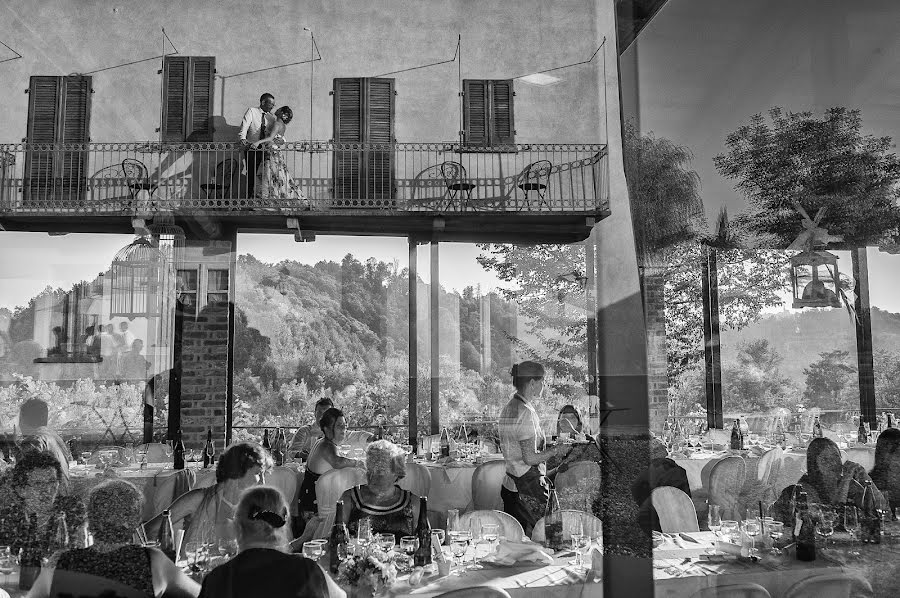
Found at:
(274, 181)
(396, 518)
(127, 565)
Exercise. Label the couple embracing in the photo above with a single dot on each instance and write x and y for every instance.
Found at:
(262, 135)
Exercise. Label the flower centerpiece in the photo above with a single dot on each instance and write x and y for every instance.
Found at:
(367, 574)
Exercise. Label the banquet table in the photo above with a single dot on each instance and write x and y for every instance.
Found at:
(680, 571)
(451, 484)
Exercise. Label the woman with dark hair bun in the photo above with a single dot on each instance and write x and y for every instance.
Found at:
(886, 472)
(274, 180)
(323, 458)
(525, 489)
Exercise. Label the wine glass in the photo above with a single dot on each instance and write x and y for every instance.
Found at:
(490, 533)
(851, 524)
(170, 448)
(7, 563)
(313, 550)
(452, 520)
(729, 529)
(439, 535)
(386, 543)
(459, 543)
(825, 526)
(210, 451)
(577, 536)
(714, 519)
(409, 545)
(776, 531)
(751, 528)
(364, 532)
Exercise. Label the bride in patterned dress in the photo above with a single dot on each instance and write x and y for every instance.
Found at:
(273, 180)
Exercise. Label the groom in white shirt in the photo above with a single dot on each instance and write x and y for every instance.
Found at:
(256, 125)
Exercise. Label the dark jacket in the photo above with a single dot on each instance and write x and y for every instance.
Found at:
(265, 573)
(662, 472)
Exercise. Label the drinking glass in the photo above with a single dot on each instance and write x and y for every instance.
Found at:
(313, 550)
(825, 526)
(386, 543)
(452, 520)
(851, 524)
(409, 545)
(577, 537)
(191, 550)
(364, 532)
(458, 545)
(170, 448)
(714, 519)
(439, 534)
(490, 533)
(7, 563)
(729, 530)
(228, 547)
(751, 528)
(776, 531)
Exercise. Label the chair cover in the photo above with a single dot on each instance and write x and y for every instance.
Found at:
(417, 479)
(675, 510)
(590, 524)
(770, 465)
(832, 585)
(156, 452)
(486, 482)
(358, 438)
(476, 592)
(286, 479)
(736, 590)
(509, 527)
(725, 483)
(862, 455)
(329, 489)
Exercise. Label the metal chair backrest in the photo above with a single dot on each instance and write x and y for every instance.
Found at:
(510, 528)
(486, 482)
(453, 173)
(675, 510)
(725, 483)
(734, 590)
(135, 171)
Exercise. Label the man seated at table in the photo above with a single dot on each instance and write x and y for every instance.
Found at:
(661, 472)
(34, 416)
(306, 436)
(209, 512)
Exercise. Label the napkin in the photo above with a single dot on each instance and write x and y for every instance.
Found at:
(728, 548)
(509, 553)
(596, 557)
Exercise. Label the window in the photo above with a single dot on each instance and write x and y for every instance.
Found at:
(187, 291)
(189, 287)
(188, 91)
(363, 114)
(488, 112)
(217, 286)
(59, 111)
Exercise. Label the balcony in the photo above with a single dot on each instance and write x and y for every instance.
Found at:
(401, 188)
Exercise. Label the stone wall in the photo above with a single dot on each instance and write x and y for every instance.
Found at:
(653, 287)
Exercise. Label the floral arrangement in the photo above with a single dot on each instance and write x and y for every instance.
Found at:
(367, 571)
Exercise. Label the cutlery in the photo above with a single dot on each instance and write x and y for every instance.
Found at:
(684, 536)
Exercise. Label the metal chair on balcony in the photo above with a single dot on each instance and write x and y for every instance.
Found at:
(535, 178)
(456, 180)
(223, 179)
(138, 179)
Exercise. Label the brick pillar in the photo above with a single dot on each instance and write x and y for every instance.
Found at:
(653, 287)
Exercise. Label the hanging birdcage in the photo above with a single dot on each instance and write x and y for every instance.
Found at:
(815, 279)
(134, 280)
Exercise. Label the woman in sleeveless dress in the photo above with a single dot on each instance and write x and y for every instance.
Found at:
(323, 458)
(113, 562)
(390, 508)
(274, 181)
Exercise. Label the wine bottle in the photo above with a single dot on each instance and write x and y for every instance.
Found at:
(553, 525)
(178, 451)
(804, 531)
(30, 558)
(861, 435)
(445, 443)
(890, 421)
(265, 442)
(278, 448)
(167, 536)
(209, 450)
(780, 439)
(337, 543)
(60, 540)
(736, 436)
(422, 556)
(870, 521)
(817, 428)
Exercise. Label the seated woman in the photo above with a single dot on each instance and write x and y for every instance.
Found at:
(114, 511)
(886, 472)
(209, 512)
(32, 487)
(264, 566)
(323, 458)
(826, 482)
(661, 472)
(569, 422)
(390, 508)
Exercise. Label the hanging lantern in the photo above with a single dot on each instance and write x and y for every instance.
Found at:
(815, 279)
(135, 280)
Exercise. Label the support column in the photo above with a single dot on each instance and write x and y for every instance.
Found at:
(434, 330)
(864, 335)
(712, 349)
(413, 342)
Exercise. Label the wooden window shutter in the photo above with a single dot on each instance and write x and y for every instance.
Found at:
(502, 130)
(59, 110)
(188, 93)
(475, 112)
(363, 115)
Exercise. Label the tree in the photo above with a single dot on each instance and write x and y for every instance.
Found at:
(754, 383)
(887, 378)
(819, 163)
(828, 379)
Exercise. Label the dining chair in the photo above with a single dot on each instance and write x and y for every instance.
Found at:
(576, 472)
(769, 465)
(859, 454)
(224, 179)
(358, 438)
(535, 178)
(725, 482)
(137, 179)
(486, 482)
(734, 590)
(180, 508)
(286, 479)
(417, 479)
(329, 489)
(456, 180)
(675, 510)
(476, 592)
(590, 524)
(510, 528)
(830, 585)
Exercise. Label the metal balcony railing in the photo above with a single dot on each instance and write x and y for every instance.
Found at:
(116, 178)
